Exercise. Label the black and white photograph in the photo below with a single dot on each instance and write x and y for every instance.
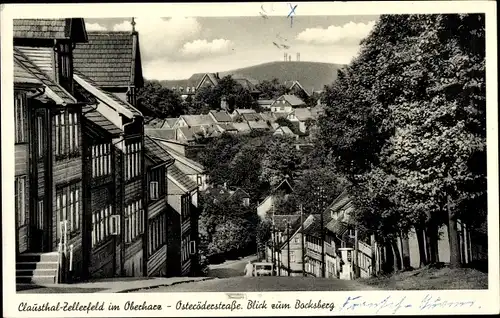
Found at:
(271, 151)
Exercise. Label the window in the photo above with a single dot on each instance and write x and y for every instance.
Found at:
(40, 137)
(101, 225)
(68, 206)
(192, 247)
(157, 233)
(199, 180)
(246, 201)
(101, 160)
(157, 183)
(296, 239)
(133, 160)
(185, 207)
(134, 221)
(20, 120)
(20, 205)
(292, 257)
(39, 215)
(185, 250)
(67, 133)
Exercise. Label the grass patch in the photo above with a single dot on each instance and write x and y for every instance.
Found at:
(431, 278)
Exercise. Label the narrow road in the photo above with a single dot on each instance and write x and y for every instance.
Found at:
(263, 284)
(227, 269)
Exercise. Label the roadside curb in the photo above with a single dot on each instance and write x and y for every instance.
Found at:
(129, 290)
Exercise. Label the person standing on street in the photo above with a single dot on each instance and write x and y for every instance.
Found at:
(249, 269)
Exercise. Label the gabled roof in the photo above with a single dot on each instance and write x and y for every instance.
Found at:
(221, 116)
(109, 98)
(285, 184)
(110, 59)
(169, 122)
(251, 117)
(181, 179)
(242, 127)
(293, 100)
(258, 125)
(227, 127)
(90, 113)
(166, 134)
(53, 90)
(210, 76)
(265, 102)
(280, 115)
(241, 111)
(197, 120)
(286, 130)
(218, 191)
(49, 29)
(155, 152)
(179, 158)
(302, 114)
(239, 192)
(281, 221)
(296, 83)
(267, 116)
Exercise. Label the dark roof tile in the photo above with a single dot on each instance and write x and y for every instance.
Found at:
(180, 177)
(155, 152)
(98, 119)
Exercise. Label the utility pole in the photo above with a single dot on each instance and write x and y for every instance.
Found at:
(273, 239)
(302, 241)
(356, 265)
(322, 231)
(288, 239)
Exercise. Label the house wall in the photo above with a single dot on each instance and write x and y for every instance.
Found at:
(265, 206)
(295, 254)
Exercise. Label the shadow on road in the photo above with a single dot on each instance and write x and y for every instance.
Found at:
(224, 272)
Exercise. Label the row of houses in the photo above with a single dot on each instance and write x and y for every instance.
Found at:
(330, 243)
(94, 195)
(190, 128)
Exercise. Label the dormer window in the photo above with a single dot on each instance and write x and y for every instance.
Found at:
(65, 65)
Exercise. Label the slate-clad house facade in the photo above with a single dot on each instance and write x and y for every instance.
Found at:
(157, 163)
(48, 148)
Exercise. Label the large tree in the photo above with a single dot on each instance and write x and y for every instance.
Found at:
(271, 89)
(157, 101)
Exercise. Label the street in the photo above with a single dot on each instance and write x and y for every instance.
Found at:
(263, 284)
(233, 268)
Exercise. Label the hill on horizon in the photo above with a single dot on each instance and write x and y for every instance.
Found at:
(311, 75)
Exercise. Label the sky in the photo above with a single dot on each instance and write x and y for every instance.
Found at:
(177, 47)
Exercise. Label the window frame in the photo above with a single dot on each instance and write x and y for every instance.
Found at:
(20, 117)
(69, 207)
(67, 134)
(20, 188)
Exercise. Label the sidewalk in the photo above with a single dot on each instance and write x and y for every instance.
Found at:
(118, 285)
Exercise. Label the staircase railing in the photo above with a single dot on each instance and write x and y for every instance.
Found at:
(62, 250)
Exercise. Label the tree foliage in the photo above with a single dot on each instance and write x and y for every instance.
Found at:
(157, 101)
(405, 123)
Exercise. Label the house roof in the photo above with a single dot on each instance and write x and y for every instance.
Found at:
(155, 152)
(227, 127)
(268, 116)
(251, 117)
(293, 100)
(218, 191)
(258, 124)
(281, 221)
(98, 119)
(53, 90)
(181, 158)
(170, 122)
(285, 130)
(110, 59)
(221, 116)
(59, 29)
(265, 102)
(296, 83)
(241, 111)
(303, 114)
(242, 127)
(109, 98)
(280, 115)
(284, 184)
(161, 133)
(212, 76)
(22, 76)
(181, 179)
(240, 192)
(197, 120)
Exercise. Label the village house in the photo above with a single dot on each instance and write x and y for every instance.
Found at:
(190, 86)
(182, 218)
(220, 117)
(297, 89)
(194, 121)
(280, 227)
(265, 103)
(112, 60)
(157, 162)
(48, 151)
(267, 205)
(286, 103)
(284, 131)
(302, 116)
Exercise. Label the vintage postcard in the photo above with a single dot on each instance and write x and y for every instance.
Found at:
(249, 159)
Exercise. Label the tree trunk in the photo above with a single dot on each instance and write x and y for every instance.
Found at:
(432, 245)
(453, 237)
(405, 249)
(421, 246)
(397, 255)
(388, 265)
